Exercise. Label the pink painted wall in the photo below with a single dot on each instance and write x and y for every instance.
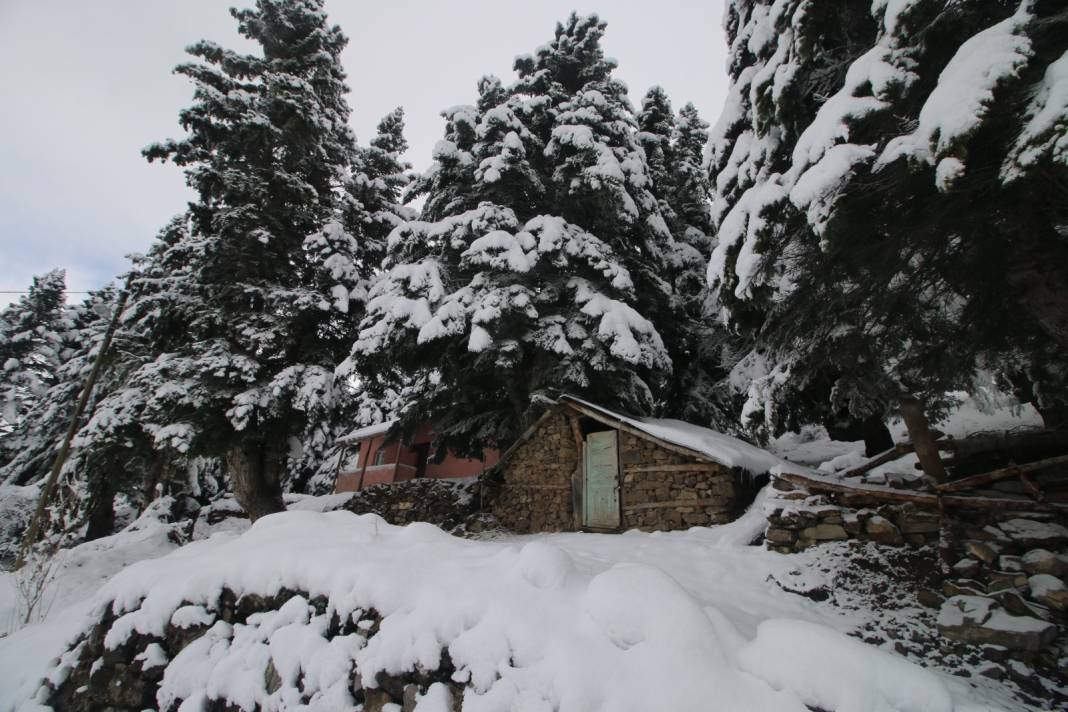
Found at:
(402, 463)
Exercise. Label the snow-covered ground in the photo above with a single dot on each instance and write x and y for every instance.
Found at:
(693, 620)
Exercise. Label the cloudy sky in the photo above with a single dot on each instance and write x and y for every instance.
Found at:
(86, 85)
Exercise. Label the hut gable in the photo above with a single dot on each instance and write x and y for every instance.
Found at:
(583, 467)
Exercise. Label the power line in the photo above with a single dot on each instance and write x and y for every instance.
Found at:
(26, 291)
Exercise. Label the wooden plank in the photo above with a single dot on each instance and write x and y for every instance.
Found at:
(1001, 474)
(602, 479)
(690, 467)
(676, 503)
(578, 477)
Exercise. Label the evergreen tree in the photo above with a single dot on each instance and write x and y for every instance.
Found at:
(673, 147)
(30, 347)
(538, 262)
(864, 243)
(36, 439)
(275, 246)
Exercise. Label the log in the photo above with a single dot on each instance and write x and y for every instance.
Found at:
(890, 455)
(1032, 487)
(1005, 472)
(920, 499)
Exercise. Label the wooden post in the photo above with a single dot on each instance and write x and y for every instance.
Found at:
(577, 483)
(922, 441)
(34, 530)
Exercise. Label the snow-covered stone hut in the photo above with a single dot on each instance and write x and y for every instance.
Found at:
(584, 467)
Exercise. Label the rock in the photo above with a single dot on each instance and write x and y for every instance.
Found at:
(779, 537)
(793, 519)
(852, 524)
(915, 522)
(825, 532)
(411, 698)
(963, 587)
(271, 679)
(983, 551)
(782, 485)
(929, 598)
(1043, 561)
(996, 653)
(966, 568)
(375, 700)
(883, 531)
(1032, 534)
(994, 672)
(831, 517)
(1049, 590)
(1000, 584)
(1017, 605)
(980, 620)
(1010, 564)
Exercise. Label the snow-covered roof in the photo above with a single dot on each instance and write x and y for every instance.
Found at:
(704, 442)
(367, 431)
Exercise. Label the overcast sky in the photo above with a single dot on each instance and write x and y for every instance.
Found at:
(87, 84)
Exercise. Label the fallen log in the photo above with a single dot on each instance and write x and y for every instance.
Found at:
(1000, 474)
(890, 455)
(920, 499)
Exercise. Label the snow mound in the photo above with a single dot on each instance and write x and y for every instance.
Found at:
(566, 622)
(835, 672)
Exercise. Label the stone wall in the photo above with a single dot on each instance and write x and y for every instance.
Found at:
(449, 504)
(660, 492)
(660, 489)
(798, 520)
(536, 494)
(1005, 586)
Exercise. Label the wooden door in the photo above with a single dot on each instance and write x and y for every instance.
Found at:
(602, 481)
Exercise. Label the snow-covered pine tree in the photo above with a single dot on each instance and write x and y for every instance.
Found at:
(30, 350)
(864, 278)
(36, 439)
(537, 263)
(275, 270)
(674, 149)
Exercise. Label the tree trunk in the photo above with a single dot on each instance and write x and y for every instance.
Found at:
(101, 519)
(922, 440)
(255, 471)
(872, 430)
(877, 437)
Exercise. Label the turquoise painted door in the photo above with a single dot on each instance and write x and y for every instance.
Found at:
(602, 480)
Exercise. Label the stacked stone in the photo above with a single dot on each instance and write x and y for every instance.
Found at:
(536, 495)
(665, 499)
(447, 504)
(118, 679)
(1008, 586)
(798, 520)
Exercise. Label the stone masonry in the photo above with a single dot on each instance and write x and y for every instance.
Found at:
(536, 495)
(660, 489)
(656, 494)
